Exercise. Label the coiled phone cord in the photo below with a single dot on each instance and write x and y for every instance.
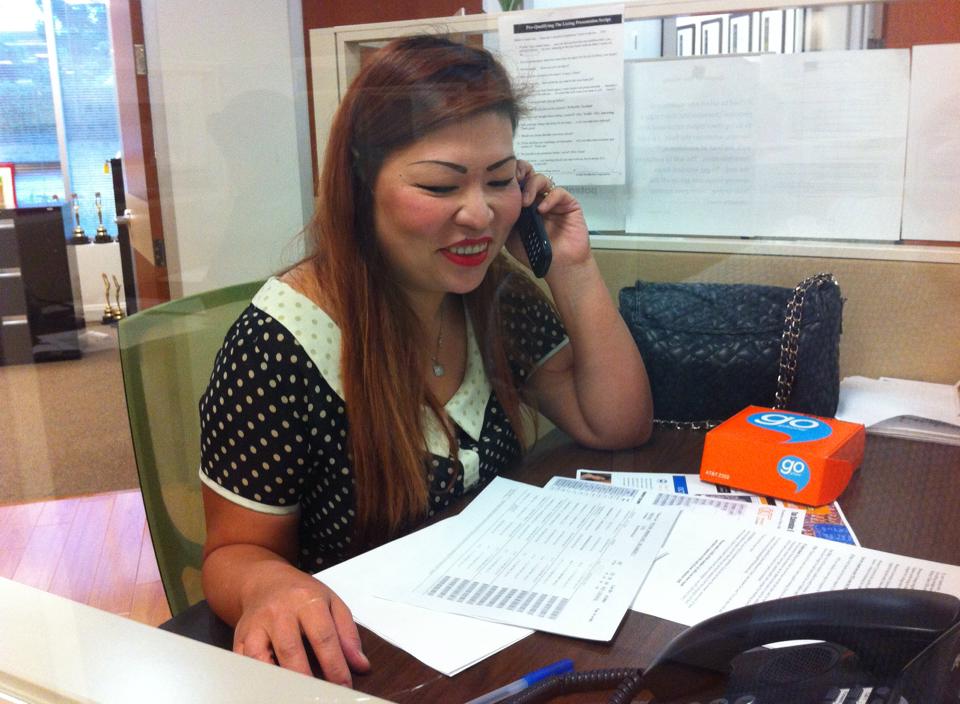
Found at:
(625, 679)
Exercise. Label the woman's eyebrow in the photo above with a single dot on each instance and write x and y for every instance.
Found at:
(456, 167)
(460, 168)
(497, 165)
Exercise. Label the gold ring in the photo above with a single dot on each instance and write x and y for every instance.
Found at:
(549, 189)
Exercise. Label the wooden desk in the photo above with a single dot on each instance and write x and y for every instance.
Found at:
(903, 500)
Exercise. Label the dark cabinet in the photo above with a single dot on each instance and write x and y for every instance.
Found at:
(39, 318)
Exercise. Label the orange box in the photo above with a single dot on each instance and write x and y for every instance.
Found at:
(801, 458)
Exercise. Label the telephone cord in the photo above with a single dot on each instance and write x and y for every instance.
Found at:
(625, 679)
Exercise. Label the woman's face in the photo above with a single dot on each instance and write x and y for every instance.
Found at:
(444, 205)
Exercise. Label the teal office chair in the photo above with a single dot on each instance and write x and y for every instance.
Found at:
(167, 354)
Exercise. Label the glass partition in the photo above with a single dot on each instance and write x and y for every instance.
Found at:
(58, 120)
(763, 144)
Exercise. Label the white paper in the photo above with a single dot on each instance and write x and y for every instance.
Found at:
(778, 145)
(869, 401)
(755, 514)
(827, 522)
(446, 642)
(931, 200)
(604, 207)
(571, 61)
(916, 428)
(710, 567)
(536, 558)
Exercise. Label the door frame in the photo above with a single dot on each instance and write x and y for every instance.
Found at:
(141, 185)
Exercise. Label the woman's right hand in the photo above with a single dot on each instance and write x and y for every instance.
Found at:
(282, 606)
(249, 580)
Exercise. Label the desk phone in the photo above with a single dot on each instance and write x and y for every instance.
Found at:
(879, 646)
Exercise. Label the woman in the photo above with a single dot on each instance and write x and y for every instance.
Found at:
(408, 325)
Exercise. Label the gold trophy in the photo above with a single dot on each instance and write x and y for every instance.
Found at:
(117, 311)
(102, 235)
(78, 235)
(108, 309)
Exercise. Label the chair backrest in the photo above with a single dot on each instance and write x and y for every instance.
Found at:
(167, 355)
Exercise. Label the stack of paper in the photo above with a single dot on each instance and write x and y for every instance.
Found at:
(826, 522)
(567, 559)
(574, 556)
(902, 408)
(561, 562)
(446, 642)
(709, 567)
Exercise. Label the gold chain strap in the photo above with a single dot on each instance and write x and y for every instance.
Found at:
(686, 424)
(789, 344)
(790, 340)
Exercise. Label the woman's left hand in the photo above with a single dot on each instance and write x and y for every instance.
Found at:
(562, 217)
(575, 388)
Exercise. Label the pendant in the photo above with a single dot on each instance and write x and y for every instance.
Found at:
(438, 369)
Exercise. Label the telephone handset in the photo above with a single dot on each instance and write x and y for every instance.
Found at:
(533, 234)
(881, 646)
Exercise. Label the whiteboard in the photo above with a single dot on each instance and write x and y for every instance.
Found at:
(931, 208)
(780, 145)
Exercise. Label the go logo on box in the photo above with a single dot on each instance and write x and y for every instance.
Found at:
(797, 428)
(794, 470)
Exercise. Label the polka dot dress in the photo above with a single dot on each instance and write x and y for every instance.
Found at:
(274, 424)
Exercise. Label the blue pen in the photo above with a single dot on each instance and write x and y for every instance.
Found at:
(557, 668)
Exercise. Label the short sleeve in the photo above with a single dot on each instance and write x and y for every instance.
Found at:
(533, 328)
(255, 439)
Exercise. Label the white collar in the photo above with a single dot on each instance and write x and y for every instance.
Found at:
(320, 338)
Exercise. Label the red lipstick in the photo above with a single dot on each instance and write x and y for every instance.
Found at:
(468, 258)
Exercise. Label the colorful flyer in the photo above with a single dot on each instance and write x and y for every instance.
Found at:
(826, 522)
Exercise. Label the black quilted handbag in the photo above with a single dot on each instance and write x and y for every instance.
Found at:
(713, 349)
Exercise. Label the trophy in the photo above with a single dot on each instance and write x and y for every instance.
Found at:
(102, 235)
(78, 235)
(117, 311)
(108, 309)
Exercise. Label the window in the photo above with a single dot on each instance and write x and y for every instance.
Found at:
(28, 129)
(772, 31)
(58, 104)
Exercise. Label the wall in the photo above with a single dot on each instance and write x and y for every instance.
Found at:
(228, 98)
(318, 14)
(911, 22)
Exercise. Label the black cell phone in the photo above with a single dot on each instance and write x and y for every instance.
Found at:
(535, 241)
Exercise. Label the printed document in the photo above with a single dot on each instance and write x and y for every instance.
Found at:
(711, 566)
(930, 205)
(826, 522)
(446, 642)
(773, 145)
(757, 514)
(549, 560)
(571, 61)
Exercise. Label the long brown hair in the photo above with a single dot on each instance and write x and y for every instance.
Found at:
(407, 89)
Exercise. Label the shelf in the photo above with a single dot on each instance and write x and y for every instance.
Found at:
(828, 249)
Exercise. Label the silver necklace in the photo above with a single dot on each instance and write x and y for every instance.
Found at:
(438, 369)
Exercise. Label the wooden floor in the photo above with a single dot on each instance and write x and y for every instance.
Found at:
(92, 549)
